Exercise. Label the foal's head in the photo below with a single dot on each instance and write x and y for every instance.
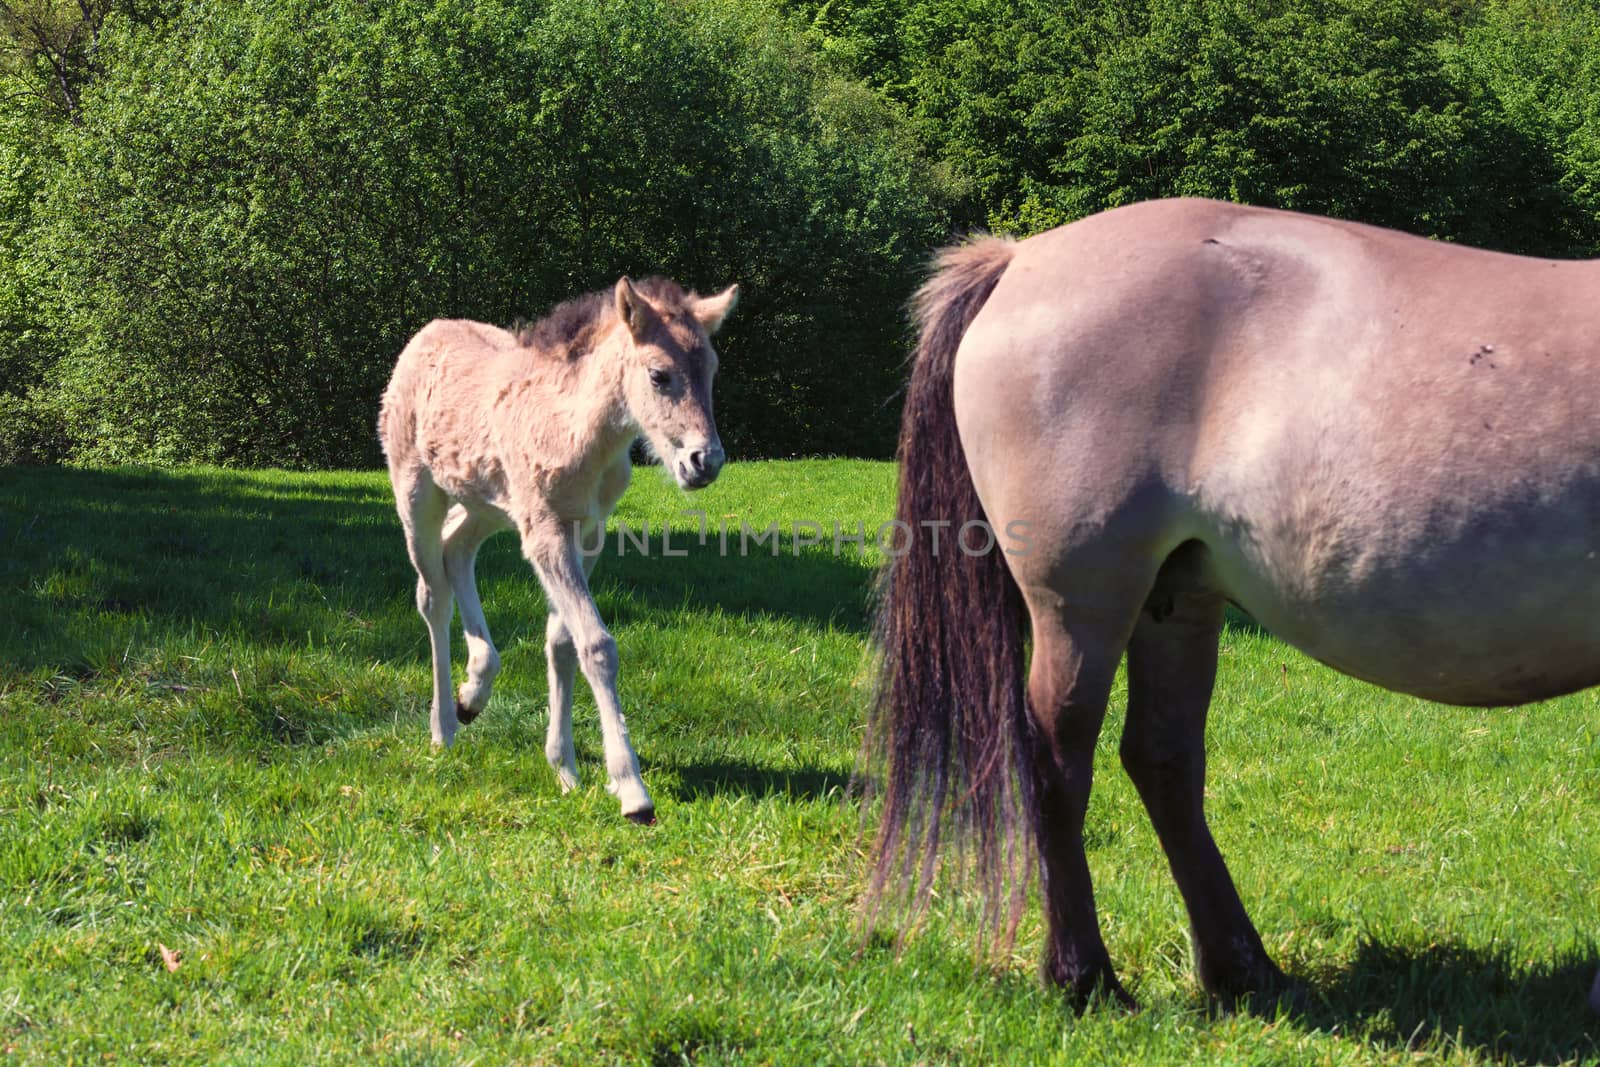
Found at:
(668, 366)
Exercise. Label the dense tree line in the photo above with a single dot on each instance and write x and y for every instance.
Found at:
(220, 219)
(1466, 119)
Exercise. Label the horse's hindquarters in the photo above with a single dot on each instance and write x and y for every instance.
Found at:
(1384, 449)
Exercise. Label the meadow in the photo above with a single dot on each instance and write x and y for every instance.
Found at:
(225, 838)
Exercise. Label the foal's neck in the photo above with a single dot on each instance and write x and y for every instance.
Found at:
(600, 399)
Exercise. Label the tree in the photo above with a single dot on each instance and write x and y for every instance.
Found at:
(50, 49)
(1409, 113)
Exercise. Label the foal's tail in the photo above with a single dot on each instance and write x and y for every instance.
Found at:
(949, 720)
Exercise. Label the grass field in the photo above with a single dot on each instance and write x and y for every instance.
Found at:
(224, 836)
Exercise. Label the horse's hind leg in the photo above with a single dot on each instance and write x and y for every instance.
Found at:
(1172, 663)
(464, 534)
(1075, 656)
(422, 506)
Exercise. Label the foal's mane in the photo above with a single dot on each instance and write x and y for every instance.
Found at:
(569, 329)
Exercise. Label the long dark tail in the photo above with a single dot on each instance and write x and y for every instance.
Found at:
(949, 720)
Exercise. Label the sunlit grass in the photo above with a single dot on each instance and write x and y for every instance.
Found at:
(213, 742)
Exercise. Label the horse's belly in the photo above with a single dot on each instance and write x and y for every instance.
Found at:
(1511, 627)
(1508, 673)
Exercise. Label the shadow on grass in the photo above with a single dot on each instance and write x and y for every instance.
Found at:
(254, 607)
(1480, 1001)
(725, 777)
(814, 586)
(1235, 619)
(275, 559)
(84, 553)
(280, 560)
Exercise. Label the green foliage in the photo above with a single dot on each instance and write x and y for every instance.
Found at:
(1541, 60)
(1364, 109)
(29, 346)
(221, 219)
(50, 50)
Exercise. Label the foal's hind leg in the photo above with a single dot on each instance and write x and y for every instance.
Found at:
(464, 534)
(1172, 663)
(422, 506)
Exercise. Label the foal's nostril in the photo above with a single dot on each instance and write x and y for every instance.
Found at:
(701, 465)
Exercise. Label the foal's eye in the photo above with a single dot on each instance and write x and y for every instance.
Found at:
(661, 379)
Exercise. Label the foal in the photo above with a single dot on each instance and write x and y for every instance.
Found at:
(486, 429)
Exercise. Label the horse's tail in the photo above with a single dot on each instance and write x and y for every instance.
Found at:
(949, 719)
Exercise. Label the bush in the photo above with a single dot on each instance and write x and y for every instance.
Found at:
(266, 199)
(1541, 61)
(30, 343)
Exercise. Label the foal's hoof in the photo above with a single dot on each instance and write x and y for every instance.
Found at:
(465, 712)
(644, 817)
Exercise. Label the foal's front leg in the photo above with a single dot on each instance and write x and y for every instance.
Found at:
(553, 550)
(561, 659)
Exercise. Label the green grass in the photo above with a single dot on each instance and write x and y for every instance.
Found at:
(213, 738)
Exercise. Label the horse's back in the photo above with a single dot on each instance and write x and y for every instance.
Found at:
(443, 348)
(1390, 447)
(433, 411)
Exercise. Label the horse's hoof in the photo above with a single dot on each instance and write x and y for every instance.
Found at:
(1259, 988)
(644, 817)
(1087, 987)
(1096, 993)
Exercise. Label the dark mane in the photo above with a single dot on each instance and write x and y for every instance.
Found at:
(569, 328)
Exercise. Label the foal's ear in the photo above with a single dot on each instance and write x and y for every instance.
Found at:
(711, 310)
(631, 308)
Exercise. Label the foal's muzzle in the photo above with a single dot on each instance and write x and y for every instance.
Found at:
(697, 468)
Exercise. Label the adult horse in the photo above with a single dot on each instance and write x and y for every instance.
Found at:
(1385, 449)
(530, 430)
